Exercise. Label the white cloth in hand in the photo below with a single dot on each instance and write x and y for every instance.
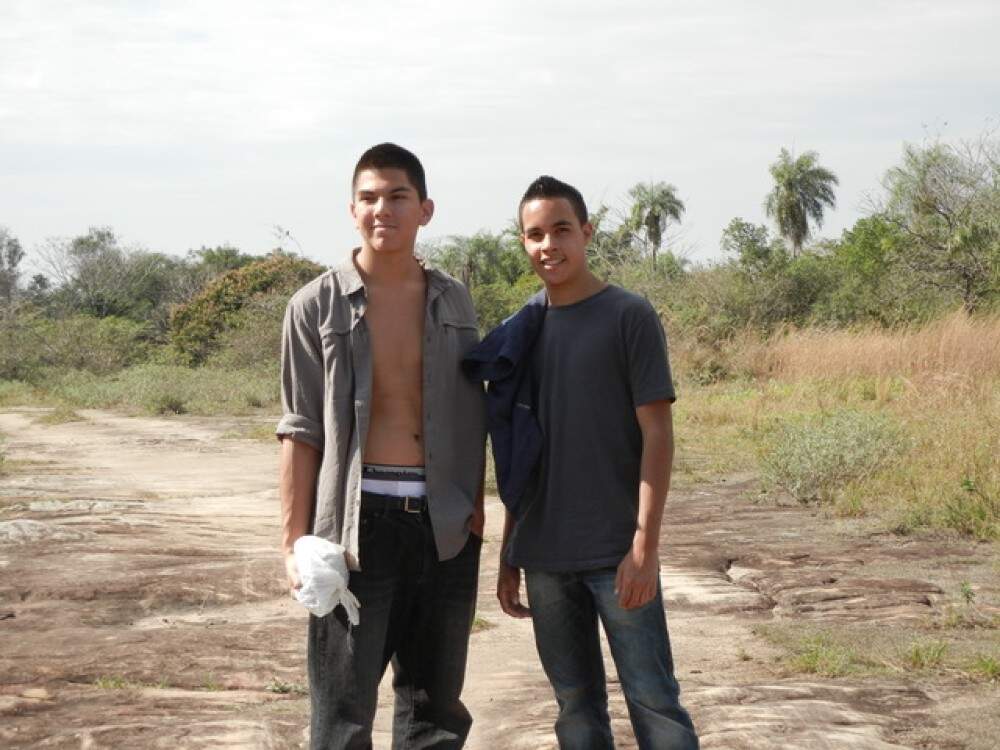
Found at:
(324, 575)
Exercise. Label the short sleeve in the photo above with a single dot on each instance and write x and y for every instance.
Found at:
(302, 377)
(648, 362)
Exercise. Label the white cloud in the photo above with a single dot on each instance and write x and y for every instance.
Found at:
(183, 123)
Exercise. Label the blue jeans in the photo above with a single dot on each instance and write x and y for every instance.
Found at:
(417, 612)
(565, 608)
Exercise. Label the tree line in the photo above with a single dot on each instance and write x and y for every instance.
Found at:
(929, 242)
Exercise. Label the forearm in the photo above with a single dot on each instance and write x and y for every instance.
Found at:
(299, 469)
(508, 528)
(654, 484)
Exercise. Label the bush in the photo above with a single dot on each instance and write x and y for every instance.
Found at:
(195, 327)
(170, 389)
(254, 336)
(813, 457)
(81, 342)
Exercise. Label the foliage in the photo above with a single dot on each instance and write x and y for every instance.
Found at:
(654, 204)
(31, 343)
(254, 335)
(95, 275)
(802, 189)
(168, 389)
(944, 200)
(815, 456)
(11, 255)
(195, 327)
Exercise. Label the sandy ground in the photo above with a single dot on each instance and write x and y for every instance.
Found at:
(142, 606)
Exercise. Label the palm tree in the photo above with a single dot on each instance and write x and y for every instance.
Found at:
(801, 190)
(653, 205)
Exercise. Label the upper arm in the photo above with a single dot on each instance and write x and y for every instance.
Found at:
(655, 420)
(302, 376)
(648, 363)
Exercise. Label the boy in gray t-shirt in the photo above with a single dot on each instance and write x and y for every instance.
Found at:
(588, 537)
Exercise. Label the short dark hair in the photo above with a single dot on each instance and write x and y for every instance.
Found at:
(549, 187)
(391, 156)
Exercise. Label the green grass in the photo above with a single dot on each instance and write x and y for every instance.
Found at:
(280, 687)
(821, 655)
(863, 650)
(987, 667)
(61, 414)
(113, 682)
(161, 389)
(480, 624)
(261, 432)
(925, 655)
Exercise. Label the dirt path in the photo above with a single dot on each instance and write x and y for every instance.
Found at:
(142, 605)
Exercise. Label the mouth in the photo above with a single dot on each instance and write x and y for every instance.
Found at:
(548, 265)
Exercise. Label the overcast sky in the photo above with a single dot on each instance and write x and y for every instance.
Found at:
(182, 123)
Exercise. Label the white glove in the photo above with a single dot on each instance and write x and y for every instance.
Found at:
(324, 575)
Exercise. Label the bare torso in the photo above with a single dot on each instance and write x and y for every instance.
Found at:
(395, 319)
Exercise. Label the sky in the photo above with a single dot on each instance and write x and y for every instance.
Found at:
(181, 124)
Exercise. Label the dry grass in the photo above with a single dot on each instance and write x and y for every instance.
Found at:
(955, 350)
(939, 384)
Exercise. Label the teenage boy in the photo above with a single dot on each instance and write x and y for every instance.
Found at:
(382, 453)
(587, 532)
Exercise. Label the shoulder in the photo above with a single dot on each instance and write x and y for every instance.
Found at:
(628, 305)
(309, 294)
(455, 300)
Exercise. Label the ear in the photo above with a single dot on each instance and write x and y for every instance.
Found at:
(350, 207)
(426, 212)
(588, 231)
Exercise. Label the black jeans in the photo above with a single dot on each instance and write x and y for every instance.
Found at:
(416, 612)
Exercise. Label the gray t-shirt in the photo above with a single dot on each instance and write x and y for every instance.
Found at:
(595, 362)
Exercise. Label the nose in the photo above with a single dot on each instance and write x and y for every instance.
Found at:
(381, 206)
(547, 243)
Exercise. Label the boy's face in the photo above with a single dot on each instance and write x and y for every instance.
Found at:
(387, 210)
(555, 240)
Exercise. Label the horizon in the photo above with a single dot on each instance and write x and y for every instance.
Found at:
(182, 126)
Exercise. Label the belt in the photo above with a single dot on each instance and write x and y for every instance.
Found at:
(377, 502)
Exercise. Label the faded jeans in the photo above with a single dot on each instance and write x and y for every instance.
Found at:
(415, 611)
(565, 608)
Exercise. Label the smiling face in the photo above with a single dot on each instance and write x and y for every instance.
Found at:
(387, 210)
(556, 242)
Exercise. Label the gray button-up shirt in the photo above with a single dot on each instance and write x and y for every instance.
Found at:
(326, 391)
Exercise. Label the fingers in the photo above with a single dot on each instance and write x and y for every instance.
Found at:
(509, 593)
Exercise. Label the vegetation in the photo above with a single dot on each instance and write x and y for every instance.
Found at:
(814, 456)
(653, 205)
(802, 190)
(859, 372)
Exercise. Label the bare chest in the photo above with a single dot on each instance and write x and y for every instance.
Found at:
(396, 327)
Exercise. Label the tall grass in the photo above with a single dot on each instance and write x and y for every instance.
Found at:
(167, 389)
(954, 350)
(939, 384)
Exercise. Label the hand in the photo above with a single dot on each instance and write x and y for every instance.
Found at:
(509, 591)
(638, 573)
(292, 573)
(478, 522)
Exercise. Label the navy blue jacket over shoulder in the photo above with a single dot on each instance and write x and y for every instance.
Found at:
(503, 358)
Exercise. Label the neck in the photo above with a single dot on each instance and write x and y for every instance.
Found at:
(386, 267)
(585, 286)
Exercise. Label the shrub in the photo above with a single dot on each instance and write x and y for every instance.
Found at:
(195, 327)
(254, 336)
(170, 389)
(81, 342)
(813, 457)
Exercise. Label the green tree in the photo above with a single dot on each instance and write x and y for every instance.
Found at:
(945, 202)
(752, 246)
(11, 255)
(653, 206)
(802, 191)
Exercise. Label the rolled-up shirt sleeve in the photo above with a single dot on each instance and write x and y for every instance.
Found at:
(302, 377)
